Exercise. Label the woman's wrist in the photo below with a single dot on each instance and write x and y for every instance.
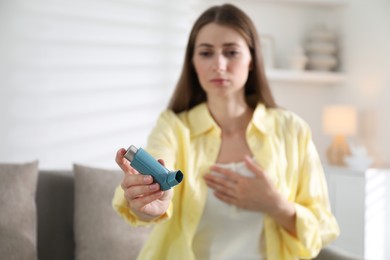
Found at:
(284, 214)
(145, 217)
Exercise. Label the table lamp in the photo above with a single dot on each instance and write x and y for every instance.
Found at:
(339, 121)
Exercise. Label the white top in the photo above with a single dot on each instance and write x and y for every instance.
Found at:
(226, 232)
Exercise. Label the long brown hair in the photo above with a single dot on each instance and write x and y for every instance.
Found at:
(189, 93)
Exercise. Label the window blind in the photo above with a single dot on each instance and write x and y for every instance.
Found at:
(84, 78)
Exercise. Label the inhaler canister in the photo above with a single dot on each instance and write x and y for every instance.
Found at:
(145, 164)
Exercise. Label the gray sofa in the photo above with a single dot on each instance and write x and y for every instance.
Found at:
(63, 215)
(55, 207)
(75, 218)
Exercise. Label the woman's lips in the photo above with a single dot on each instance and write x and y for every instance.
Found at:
(219, 81)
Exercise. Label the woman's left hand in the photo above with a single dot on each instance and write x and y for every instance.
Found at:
(256, 193)
(253, 193)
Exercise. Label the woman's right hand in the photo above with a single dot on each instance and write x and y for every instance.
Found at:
(143, 196)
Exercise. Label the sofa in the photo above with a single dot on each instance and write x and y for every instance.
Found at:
(67, 214)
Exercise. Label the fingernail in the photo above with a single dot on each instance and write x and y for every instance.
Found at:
(248, 158)
(153, 186)
(147, 179)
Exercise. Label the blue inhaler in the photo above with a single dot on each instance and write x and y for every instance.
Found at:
(145, 164)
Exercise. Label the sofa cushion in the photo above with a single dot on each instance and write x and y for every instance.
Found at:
(99, 232)
(18, 217)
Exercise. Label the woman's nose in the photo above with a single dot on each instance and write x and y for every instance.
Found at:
(219, 63)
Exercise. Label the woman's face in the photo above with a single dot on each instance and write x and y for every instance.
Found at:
(222, 61)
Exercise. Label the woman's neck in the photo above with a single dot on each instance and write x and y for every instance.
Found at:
(232, 117)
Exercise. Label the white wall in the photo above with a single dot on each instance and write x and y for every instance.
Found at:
(367, 56)
(79, 79)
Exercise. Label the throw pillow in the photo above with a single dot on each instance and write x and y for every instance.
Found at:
(18, 215)
(100, 233)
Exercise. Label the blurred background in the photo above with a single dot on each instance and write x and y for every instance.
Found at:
(80, 79)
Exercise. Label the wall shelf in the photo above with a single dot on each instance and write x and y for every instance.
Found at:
(307, 77)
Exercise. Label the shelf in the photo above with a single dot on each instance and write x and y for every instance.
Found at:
(307, 77)
(323, 3)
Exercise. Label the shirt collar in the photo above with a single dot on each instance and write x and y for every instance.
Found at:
(201, 120)
(262, 119)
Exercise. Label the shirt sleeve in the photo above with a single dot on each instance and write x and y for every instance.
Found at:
(315, 224)
(161, 145)
(162, 141)
(119, 204)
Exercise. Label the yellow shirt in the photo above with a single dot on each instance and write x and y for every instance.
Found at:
(281, 144)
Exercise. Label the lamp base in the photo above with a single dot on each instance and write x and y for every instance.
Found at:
(337, 151)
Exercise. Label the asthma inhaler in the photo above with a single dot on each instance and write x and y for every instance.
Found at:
(145, 164)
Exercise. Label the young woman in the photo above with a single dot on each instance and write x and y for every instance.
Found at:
(254, 186)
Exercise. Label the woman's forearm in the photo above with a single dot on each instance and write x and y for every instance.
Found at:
(285, 215)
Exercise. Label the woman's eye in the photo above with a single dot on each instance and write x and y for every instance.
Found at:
(205, 53)
(231, 53)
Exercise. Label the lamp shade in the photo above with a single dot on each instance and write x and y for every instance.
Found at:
(339, 120)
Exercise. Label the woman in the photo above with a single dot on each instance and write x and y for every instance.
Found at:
(254, 187)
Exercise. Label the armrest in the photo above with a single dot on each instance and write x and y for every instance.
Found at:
(332, 253)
